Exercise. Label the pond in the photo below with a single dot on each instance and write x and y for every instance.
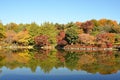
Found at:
(59, 65)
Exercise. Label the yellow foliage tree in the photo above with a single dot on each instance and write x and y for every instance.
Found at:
(22, 37)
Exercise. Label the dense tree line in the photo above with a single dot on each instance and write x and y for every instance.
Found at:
(103, 32)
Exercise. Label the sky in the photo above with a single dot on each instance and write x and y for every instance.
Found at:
(58, 11)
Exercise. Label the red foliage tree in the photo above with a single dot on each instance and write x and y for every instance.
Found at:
(60, 39)
(62, 34)
(62, 42)
(109, 45)
(87, 26)
(41, 40)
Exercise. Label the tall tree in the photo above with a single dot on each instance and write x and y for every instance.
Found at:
(50, 30)
(33, 30)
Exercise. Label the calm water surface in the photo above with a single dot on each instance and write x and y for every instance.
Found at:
(59, 65)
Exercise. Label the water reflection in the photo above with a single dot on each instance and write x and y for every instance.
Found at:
(46, 62)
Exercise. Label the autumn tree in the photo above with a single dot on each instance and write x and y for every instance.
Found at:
(87, 26)
(62, 34)
(22, 37)
(108, 25)
(97, 28)
(61, 39)
(41, 40)
(86, 39)
(9, 36)
(107, 22)
(78, 24)
(106, 38)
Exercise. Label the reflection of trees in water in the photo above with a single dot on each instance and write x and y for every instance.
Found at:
(2, 57)
(105, 64)
(46, 61)
(86, 59)
(71, 59)
(105, 59)
(102, 62)
(0, 71)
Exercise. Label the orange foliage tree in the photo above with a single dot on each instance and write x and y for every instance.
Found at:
(107, 38)
(86, 39)
(22, 37)
(107, 22)
(10, 36)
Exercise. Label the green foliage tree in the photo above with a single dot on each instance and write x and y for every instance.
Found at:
(12, 26)
(117, 38)
(60, 26)
(71, 36)
(2, 31)
(33, 30)
(21, 27)
(50, 30)
(71, 25)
